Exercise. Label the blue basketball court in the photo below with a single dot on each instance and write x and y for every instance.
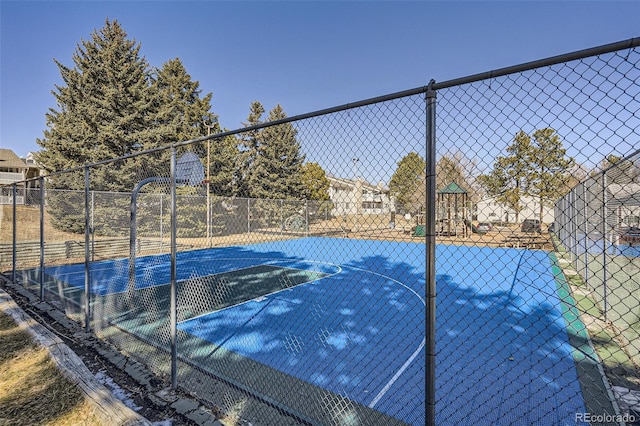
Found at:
(348, 318)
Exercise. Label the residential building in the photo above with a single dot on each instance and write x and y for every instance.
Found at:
(15, 169)
(490, 210)
(359, 197)
(33, 169)
(12, 168)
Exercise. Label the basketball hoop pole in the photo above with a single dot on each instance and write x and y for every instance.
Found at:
(188, 171)
(206, 119)
(133, 229)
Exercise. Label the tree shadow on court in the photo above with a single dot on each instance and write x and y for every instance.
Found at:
(502, 350)
(314, 346)
(350, 344)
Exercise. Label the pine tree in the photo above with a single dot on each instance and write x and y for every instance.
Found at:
(315, 182)
(316, 190)
(550, 168)
(511, 176)
(224, 156)
(104, 106)
(277, 169)
(104, 110)
(271, 168)
(271, 162)
(406, 181)
(180, 107)
(250, 146)
(181, 114)
(112, 105)
(535, 167)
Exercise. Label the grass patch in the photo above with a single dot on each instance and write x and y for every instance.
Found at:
(609, 350)
(575, 280)
(618, 365)
(586, 304)
(32, 390)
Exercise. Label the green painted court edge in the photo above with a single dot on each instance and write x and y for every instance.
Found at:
(593, 382)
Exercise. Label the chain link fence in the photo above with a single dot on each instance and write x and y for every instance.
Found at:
(306, 293)
(598, 235)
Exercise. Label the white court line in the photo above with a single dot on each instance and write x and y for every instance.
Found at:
(395, 377)
(413, 356)
(272, 261)
(404, 366)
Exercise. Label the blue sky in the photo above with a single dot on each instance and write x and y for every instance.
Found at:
(305, 56)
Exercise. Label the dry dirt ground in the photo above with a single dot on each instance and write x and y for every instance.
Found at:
(154, 399)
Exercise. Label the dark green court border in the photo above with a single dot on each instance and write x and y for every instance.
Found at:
(597, 395)
(201, 293)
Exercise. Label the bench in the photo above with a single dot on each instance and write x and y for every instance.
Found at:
(524, 241)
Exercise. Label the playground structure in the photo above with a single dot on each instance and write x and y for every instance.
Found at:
(452, 213)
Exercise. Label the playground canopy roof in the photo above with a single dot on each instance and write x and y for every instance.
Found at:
(452, 188)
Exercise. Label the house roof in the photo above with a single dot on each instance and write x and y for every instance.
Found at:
(351, 183)
(8, 159)
(452, 188)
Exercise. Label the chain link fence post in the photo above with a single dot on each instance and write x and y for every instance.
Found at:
(606, 245)
(430, 240)
(173, 305)
(87, 250)
(42, 242)
(14, 192)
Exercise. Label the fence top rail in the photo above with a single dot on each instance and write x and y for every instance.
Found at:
(616, 165)
(527, 66)
(553, 60)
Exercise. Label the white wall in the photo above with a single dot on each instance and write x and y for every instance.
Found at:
(489, 210)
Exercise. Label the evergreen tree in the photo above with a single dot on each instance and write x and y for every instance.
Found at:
(315, 182)
(550, 168)
(277, 168)
(110, 106)
(104, 109)
(509, 180)
(271, 168)
(271, 162)
(183, 115)
(535, 167)
(180, 107)
(224, 155)
(250, 146)
(407, 180)
(316, 189)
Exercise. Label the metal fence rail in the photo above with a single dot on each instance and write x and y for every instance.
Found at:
(284, 297)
